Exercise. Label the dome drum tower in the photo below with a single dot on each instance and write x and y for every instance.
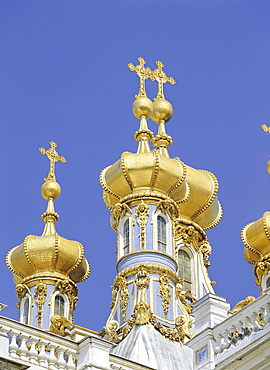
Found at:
(47, 268)
(159, 208)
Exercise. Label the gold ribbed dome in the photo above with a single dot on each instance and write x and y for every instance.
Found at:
(48, 256)
(256, 238)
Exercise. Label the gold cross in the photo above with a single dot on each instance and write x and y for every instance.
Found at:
(161, 78)
(143, 73)
(53, 157)
(265, 128)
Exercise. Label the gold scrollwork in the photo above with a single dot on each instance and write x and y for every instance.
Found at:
(164, 293)
(124, 295)
(114, 295)
(151, 269)
(21, 290)
(119, 211)
(40, 295)
(115, 333)
(205, 249)
(142, 214)
(168, 206)
(261, 268)
(179, 333)
(186, 298)
(188, 233)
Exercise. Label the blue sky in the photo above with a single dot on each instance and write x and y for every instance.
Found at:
(64, 77)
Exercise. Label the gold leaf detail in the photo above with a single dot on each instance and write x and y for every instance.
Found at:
(142, 214)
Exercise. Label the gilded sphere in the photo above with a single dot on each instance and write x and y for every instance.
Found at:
(142, 107)
(50, 189)
(268, 167)
(162, 110)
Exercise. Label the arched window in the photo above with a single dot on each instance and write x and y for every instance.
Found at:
(268, 283)
(126, 237)
(184, 269)
(25, 311)
(162, 237)
(59, 305)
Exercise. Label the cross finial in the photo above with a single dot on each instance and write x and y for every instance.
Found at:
(53, 158)
(159, 75)
(143, 74)
(265, 128)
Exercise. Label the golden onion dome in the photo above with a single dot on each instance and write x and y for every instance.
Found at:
(256, 238)
(50, 255)
(152, 173)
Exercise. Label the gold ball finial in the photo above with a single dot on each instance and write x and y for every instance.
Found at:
(50, 189)
(162, 110)
(142, 106)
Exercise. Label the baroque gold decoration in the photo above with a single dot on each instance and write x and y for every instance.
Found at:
(40, 295)
(71, 290)
(141, 281)
(111, 330)
(188, 233)
(115, 333)
(164, 293)
(142, 313)
(151, 269)
(53, 158)
(186, 298)
(119, 211)
(60, 324)
(143, 73)
(179, 333)
(168, 206)
(205, 249)
(21, 290)
(261, 269)
(114, 295)
(142, 214)
(241, 305)
(265, 128)
(124, 295)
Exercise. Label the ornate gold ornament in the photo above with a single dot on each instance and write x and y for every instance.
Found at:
(241, 305)
(179, 333)
(261, 268)
(164, 293)
(71, 290)
(114, 295)
(115, 333)
(60, 324)
(40, 295)
(150, 269)
(142, 214)
(119, 211)
(265, 128)
(21, 290)
(168, 206)
(188, 232)
(142, 280)
(124, 295)
(185, 298)
(142, 313)
(143, 73)
(159, 75)
(53, 158)
(205, 249)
